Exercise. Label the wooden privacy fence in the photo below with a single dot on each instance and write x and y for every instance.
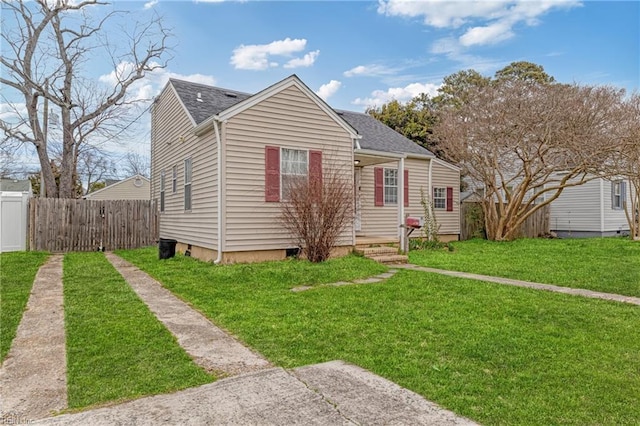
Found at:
(61, 225)
(472, 222)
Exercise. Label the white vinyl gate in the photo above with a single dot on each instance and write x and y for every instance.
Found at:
(14, 210)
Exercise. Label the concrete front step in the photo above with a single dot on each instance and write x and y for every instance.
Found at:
(391, 258)
(378, 251)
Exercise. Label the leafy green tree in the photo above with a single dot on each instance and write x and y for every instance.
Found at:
(524, 71)
(413, 119)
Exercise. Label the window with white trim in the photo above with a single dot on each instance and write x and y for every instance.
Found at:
(294, 166)
(187, 183)
(174, 179)
(162, 191)
(440, 198)
(390, 186)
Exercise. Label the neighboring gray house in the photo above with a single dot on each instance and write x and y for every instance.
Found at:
(14, 205)
(136, 187)
(593, 209)
(220, 158)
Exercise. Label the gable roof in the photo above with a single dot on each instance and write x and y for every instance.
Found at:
(110, 187)
(214, 100)
(374, 135)
(15, 185)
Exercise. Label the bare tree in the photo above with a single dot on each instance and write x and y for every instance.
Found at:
(317, 212)
(47, 44)
(522, 143)
(628, 164)
(136, 164)
(94, 166)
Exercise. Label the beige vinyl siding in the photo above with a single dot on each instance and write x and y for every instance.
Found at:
(123, 190)
(382, 221)
(443, 177)
(173, 141)
(377, 221)
(288, 119)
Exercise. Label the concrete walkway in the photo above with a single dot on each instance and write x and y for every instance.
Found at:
(527, 284)
(33, 381)
(333, 393)
(208, 345)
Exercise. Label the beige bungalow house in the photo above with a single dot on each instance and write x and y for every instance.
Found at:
(219, 159)
(136, 187)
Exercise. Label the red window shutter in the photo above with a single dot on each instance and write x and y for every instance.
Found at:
(406, 188)
(378, 177)
(315, 167)
(449, 199)
(271, 173)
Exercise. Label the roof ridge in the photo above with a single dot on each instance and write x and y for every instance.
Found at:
(208, 86)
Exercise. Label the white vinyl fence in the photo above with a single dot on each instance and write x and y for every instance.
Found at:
(14, 210)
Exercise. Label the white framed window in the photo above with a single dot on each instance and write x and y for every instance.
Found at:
(390, 186)
(294, 165)
(187, 183)
(440, 198)
(618, 194)
(174, 179)
(162, 191)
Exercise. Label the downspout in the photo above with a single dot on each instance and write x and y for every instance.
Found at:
(401, 184)
(429, 195)
(602, 201)
(220, 197)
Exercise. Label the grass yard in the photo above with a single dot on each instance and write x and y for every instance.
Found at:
(497, 354)
(17, 271)
(116, 348)
(610, 265)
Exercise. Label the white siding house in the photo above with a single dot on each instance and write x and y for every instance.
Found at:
(593, 209)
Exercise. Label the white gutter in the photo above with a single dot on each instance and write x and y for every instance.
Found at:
(371, 153)
(401, 228)
(220, 186)
(602, 201)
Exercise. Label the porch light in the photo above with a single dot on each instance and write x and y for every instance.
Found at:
(356, 162)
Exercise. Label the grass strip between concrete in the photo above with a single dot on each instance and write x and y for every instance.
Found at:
(17, 271)
(116, 348)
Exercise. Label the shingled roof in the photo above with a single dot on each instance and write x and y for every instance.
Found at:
(377, 136)
(203, 101)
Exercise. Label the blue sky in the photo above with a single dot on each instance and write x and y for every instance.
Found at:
(357, 53)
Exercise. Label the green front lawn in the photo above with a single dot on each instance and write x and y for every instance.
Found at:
(610, 265)
(116, 348)
(17, 271)
(497, 354)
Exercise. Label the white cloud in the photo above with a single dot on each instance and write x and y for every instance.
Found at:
(257, 56)
(306, 61)
(401, 94)
(371, 70)
(150, 86)
(483, 22)
(490, 34)
(327, 90)
(150, 4)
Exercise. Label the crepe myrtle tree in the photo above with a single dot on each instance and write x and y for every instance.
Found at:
(523, 142)
(627, 164)
(47, 45)
(317, 209)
